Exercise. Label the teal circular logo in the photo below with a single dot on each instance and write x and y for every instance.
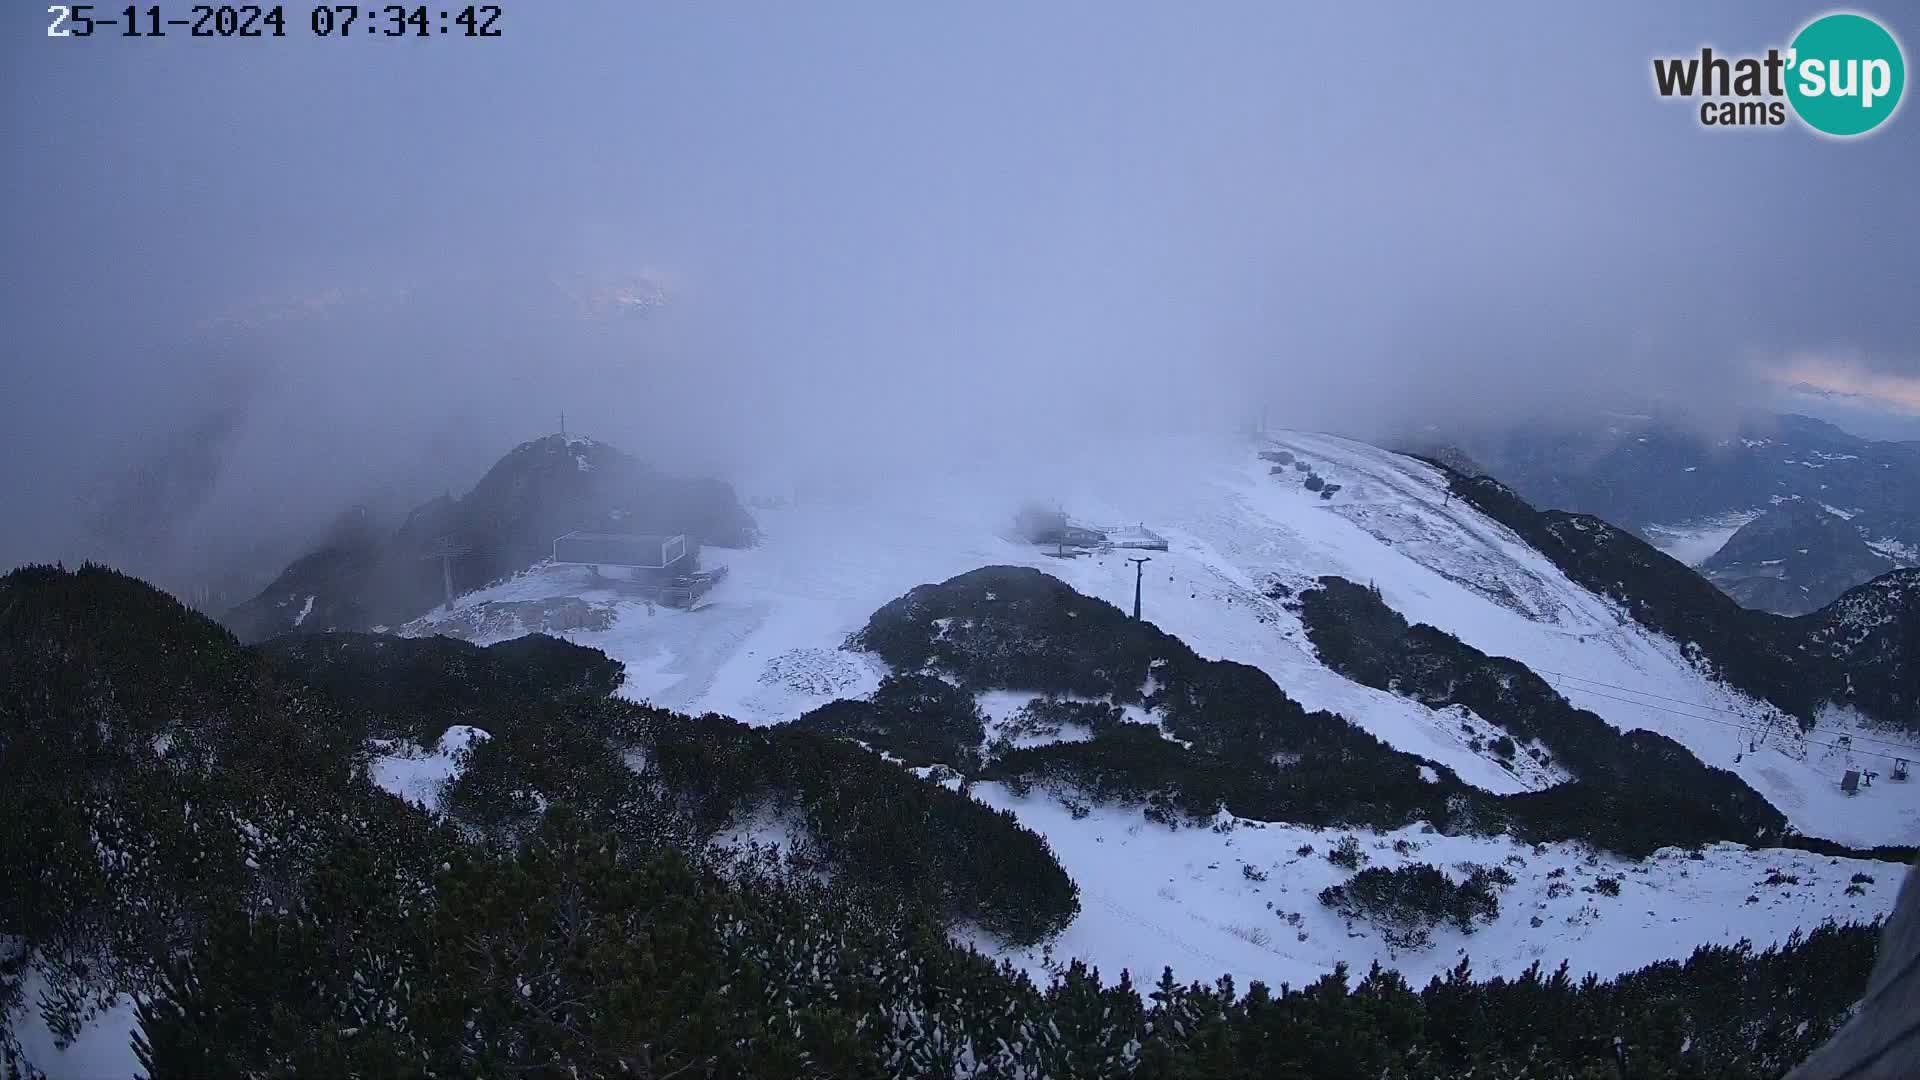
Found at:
(1845, 74)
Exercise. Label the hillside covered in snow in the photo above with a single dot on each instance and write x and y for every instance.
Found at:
(1377, 715)
(357, 854)
(1246, 539)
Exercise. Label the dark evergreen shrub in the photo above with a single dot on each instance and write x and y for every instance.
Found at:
(1406, 903)
(1346, 853)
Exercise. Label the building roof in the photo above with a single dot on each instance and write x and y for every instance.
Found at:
(621, 549)
(630, 538)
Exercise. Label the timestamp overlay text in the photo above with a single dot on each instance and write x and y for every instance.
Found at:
(243, 21)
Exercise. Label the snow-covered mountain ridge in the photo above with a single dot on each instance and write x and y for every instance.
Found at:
(765, 647)
(1243, 539)
(1267, 894)
(363, 576)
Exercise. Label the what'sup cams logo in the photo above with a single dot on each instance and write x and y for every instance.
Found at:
(1842, 76)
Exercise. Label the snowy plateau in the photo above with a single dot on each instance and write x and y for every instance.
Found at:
(1240, 898)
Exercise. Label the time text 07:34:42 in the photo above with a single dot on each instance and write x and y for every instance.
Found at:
(263, 21)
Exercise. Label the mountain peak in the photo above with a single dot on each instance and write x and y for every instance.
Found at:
(537, 491)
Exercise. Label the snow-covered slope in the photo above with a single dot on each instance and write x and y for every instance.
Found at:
(419, 777)
(765, 647)
(1152, 897)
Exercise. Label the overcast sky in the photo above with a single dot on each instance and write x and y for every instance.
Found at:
(885, 222)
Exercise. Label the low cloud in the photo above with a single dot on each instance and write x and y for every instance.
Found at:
(1884, 382)
(884, 236)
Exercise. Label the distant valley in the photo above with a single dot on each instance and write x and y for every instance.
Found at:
(1784, 515)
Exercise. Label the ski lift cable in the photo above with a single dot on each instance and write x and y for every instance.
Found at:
(1631, 690)
(1743, 722)
(1710, 708)
(1728, 723)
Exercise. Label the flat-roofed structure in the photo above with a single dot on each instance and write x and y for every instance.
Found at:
(660, 568)
(645, 551)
